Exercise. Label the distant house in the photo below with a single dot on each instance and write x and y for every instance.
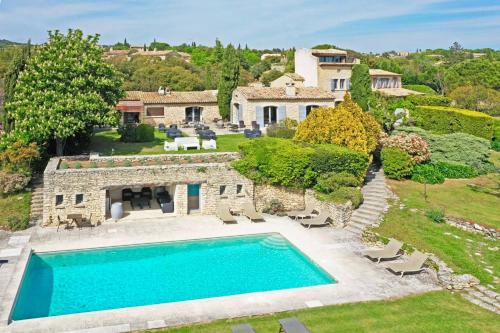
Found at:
(389, 83)
(169, 107)
(271, 55)
(140, 51)
(288, 78)
(268, 105)
(329, 69)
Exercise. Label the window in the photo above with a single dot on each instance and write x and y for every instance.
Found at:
(309, 108)
(239, 189)
(222, 189)
(59, 199)
(78, 199)
(270, 115)
(332, 59)
(155, 111)
(342, 84)
(334, 83)
(193, 114)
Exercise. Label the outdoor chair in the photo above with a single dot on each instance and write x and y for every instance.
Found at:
(241, 124)
(207, 135)
(224, 214)
(162, 128)
(147, 193)
(127, 194)
(209, 144)
(219, 124)
(61, 222)
(233, 128)
(292, 325)
(413, 264)
(390, 251)
(250, 212)
(170, 146)
(321, 220)
(173, 133)
(306, 213)
(242, 328)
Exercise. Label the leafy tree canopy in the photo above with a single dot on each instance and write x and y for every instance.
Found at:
(229, 79)
(361, 89)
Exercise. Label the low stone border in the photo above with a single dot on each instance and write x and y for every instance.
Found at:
(473, 227)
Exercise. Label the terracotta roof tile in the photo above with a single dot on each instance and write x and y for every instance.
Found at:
(175, 97)
(382, 72)
(268, 93)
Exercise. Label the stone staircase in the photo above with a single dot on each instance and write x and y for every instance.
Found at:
(374, 204)
(483, 297)
(36, 200)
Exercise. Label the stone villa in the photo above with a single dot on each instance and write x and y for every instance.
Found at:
(389, 84)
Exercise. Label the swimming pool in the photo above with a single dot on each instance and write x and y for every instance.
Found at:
(61, 283)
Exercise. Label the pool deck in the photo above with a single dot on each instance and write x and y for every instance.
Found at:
(335, 250)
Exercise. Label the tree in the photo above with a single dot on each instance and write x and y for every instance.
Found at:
(361, 87)
(230, 76)
(65, 88)
(473, 72)
(16, 67)
(270, 76)
(477, 98)
(218, 52)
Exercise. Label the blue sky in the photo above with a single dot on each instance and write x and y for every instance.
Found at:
(366, 25)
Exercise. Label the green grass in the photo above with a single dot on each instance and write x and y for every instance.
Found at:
(107, 142)
(455, 197)
(14, 205)
(431, 312)
(456, 247)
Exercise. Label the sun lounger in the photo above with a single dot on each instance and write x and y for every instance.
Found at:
(242, 328)
(209, 144)
(413, 264)
(390, 251)
(292, 325)
(308, 212)
(224, 214)
(320, 220)
(250, 212)
(170, 146)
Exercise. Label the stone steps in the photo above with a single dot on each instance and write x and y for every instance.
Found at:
(36, 209)
(483, 297)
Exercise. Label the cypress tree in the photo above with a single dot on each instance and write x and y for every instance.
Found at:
(361, 89)
(228, 81)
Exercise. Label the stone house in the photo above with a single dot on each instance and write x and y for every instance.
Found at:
(389, 83)
(288, 78)
(268, 105)
(195, 184)
(329, 69)
(169, 107)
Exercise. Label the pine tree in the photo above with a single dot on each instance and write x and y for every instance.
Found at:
(228, 81)
(16, 67)
(361, 89)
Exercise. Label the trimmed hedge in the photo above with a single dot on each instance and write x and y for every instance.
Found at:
(435, 173)
(444, 120)
(331, 181)
(331, 158)
(427, 174)
(435, 100)
(136, 133)
(397, 163)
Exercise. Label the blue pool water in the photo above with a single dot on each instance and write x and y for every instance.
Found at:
(118, 277)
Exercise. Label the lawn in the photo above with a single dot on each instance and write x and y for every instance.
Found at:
(431, 312)
(107, 142)
(455, 198)
(14, 205)
(464, 251)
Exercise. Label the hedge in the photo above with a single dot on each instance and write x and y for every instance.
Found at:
(444, 120)
(421, 88)
(331, 158)
(495, 144)
(397, 163)
(436, 100)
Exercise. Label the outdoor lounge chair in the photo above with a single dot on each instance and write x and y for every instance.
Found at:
(390, 251)
(308, 212)
(242, 328)
(321, 220)
(292, 325)
(413, 264)
(209, 144)
(250, 212)
(224, 214)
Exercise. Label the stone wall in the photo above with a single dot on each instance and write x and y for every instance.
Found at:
(94, 182)
(292, 199)
(340, 214)
(176, 113)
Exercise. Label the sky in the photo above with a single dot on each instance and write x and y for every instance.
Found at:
(364, 25)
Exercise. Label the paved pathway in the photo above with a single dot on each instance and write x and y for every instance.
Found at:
(374, 204)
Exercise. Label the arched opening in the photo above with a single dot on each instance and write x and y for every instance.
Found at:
(194, 114)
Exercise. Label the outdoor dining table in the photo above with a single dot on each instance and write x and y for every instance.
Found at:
(75, 218)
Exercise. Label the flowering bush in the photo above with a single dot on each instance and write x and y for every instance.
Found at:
(12, 182)
(413, 144)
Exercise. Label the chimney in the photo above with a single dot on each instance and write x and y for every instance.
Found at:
(290, 89)
(161, 91)
(167, 91)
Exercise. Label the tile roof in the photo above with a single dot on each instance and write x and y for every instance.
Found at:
(397, 92)
(295, 76)
(268, 93)
(374, 72)
(329, 51)
(175, 97)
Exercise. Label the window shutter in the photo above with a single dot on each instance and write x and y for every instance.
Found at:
(348, 84)
(281, 112)
(259, 116)
(302, 112)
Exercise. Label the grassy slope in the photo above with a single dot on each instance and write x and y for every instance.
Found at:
(432, 312)
(14, 205)
(455, 198)
(105, 141)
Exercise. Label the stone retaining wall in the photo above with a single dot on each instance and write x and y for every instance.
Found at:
(292, 199)
(340, 214)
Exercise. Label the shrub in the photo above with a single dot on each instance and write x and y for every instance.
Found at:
(495, 144)
(127, 132)
(78, 165)
(427, 174)
(127, 163)
(17, 156)
(397, 163)
(455, 170)
(274, 207)
(346, 125)
(284, 129)
(411, 143)
(421, 88)
(331, 158)
(435, 100)
(342, 195)
(436, 215)
(16, 223)
(13, 182)
(145, 133)
(93, 164)
(330, 182)
(459, 148)
(64, 166)
(110, 163)
(445, 120)
(478, 98)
